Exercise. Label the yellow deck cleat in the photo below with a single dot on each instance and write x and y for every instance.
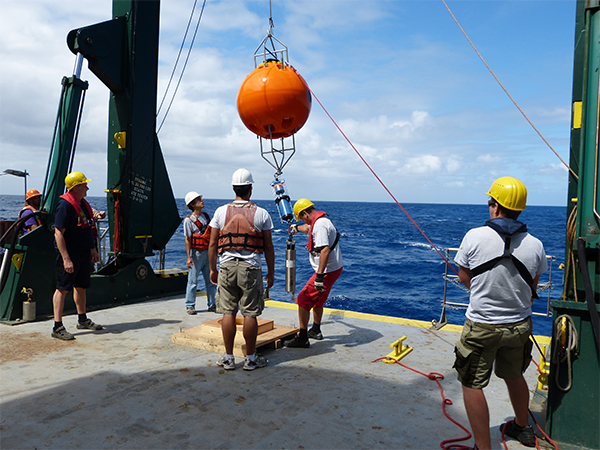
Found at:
(400, 351)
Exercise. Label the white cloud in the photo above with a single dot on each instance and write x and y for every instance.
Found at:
(489, 159)
(398, 78)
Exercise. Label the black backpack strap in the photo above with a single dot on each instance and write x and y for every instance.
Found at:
(337, 238)
(518, 264)
(492, 263)
(337, 234)
(525, 274)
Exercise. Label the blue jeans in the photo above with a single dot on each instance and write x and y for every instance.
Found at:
(200, 264)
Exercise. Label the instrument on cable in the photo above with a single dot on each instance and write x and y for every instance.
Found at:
(274, 102)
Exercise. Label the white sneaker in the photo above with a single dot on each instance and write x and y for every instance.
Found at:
(227, 363)
(259, 361)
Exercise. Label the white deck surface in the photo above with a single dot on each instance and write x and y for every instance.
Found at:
(129, 387)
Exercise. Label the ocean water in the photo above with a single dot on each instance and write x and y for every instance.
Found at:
(389, 267)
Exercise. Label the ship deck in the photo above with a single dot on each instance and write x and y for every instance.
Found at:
(128, 386)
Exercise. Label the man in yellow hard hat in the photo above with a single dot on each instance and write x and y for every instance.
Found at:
(33, 200)
(501, 264)
(326, 259)
(75, 240)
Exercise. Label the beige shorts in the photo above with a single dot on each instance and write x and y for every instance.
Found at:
(240, 286)
(481, 346)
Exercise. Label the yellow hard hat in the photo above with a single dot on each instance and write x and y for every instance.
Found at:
(74, 179)
(301, 205)
(510, 193)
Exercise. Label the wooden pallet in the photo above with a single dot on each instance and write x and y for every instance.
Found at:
(208, 336)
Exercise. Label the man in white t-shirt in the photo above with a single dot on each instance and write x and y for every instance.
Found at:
(326, 259)
(501, 264)
(241, 231)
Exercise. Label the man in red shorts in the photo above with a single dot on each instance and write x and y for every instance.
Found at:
(326, 259)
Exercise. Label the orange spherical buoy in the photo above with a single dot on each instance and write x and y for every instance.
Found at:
(274, 101)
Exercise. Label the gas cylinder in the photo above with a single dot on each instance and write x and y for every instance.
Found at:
(282, 200)
(290, 266)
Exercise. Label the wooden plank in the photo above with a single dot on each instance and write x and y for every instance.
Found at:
(209, 337)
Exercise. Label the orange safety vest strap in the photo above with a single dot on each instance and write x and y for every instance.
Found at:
(311, 243)
(82, 220)
(200, 240)
(239, 232)
(32, 209)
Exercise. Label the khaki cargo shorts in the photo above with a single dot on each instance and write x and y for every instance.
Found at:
(240, 286)
(482, 345)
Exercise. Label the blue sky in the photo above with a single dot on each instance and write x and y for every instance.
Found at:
(398, 77)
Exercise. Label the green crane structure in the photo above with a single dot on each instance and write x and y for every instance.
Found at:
(123, 54)
(573, 413)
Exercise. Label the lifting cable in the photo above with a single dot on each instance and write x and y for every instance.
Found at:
(381, 182)
(504, 89)
(151, 133)
(177, 62)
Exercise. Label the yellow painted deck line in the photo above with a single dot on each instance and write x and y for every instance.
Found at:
(366, 316)
(541, 340)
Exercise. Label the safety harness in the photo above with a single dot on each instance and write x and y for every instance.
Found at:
(200, 240)
(83, 221)
(311, 243)
(506, 255)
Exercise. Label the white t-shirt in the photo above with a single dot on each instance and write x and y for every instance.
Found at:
(262, 222)
(190, 227)
(324, 233)
(500, 295)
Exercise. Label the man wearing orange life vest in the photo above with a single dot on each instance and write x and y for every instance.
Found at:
(326, 259)
(76, 244)
(241, 231)
(197, 238)
(33, 199)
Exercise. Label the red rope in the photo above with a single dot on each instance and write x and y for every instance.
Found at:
(381, 182)
(448, 444)
(542, 431)
(537, 440)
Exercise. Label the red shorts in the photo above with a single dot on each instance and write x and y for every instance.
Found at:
(310, 298)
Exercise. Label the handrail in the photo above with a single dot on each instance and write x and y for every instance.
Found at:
(453, 279)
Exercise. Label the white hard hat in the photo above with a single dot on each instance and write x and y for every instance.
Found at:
(241, 177)
(190, 197)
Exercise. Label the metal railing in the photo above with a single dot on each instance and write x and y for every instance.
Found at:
(453, 279)
(103, 242)
(105, 251)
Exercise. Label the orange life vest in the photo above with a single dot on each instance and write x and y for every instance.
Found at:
(82, 220)
(32, 209)
(239, 232)
(200, 240)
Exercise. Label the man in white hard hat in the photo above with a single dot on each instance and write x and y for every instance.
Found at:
(241, 231)
(197, 237)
